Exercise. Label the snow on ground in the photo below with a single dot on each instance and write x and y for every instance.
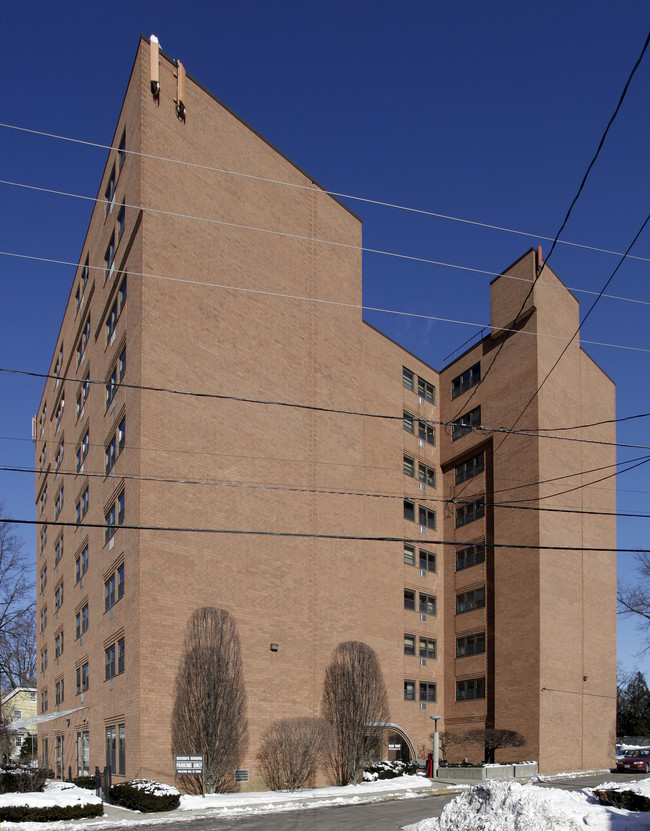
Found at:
(490, 806)
(55, 793)
(324, 796)
(509, 806)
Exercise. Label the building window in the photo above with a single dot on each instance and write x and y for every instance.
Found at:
(409, 466)
(83, 753)
(82, 621)
(427, 648)
(427, 691)
(58, 597)
(408, 379)
(82, 396)
(59, 412)
(466, 380)
(109, 593)
(44, 701)
(84, 337)
(120, 222)
(470, 468)
(121, 151)
(469, 511)
(44, 619)
(43, 578)
(44, 660)
(58, 645)
(115, 446)
(409, 644)
(114, 517)
(427, 604)
(426, 432)
(109, 193)
(427, 560)
(471, 555)
(409, 510)
(408, 422)
(43, 537)
(81, 564)
(427, 475)
(17, 715)
(466, 423)
(474, 599)
(58, 504)
(409, 555)
(409, 599)
(59, 692)
(109, 256)
(115, 377)
(409, 690)
(82, 506)
(470, 689)
(82, 450)
(59, 457)
(115, 748)
(83, 678)
(43, 498)
(114, 588)
(427, 518)
(426, 390)
(109, 655)
(470, 645)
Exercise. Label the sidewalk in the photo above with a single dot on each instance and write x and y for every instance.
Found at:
(259, 802)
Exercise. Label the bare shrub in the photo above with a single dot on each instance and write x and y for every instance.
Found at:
(448, 739)
(356, 705)
(492, 739)
(209, 715)
(291, 751)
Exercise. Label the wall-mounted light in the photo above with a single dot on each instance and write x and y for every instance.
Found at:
(274, 647)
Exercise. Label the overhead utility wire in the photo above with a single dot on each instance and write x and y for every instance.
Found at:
(314, 408)
(580, 325)
(363, 249)
(305, 535)
(312, 189)
(540, 266)
(438, 500)
(361, 307)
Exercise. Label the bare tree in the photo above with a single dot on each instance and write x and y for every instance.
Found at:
(492, 739)
(635, 599)
(355, 704)
(17, 635)
(209, 715)
(291, 751)
(447, 739)
(18, 651)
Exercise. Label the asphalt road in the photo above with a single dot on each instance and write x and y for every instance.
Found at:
(389, 815)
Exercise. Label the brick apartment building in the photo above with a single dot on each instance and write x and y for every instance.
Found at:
(472, 629)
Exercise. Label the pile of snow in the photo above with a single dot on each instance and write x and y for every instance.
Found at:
(640, 786)
(55, 793)
(509, 806)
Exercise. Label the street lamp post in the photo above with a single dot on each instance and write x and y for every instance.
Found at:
(435, 745)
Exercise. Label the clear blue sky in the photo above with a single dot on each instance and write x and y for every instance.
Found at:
(488, 112)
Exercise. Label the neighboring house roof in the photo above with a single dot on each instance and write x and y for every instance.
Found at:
(15, 691)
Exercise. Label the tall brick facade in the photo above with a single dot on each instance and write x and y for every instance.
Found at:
(317, 522)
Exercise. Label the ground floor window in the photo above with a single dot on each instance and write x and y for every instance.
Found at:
(116, 748)
(60, 757)
(83, 753)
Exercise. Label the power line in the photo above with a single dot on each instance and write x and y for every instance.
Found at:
(542, 265)
(312, 189)
(580, 325)
(361, 307)
(327, 492)
(427, 261)
(316, 408)
(305, 535)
